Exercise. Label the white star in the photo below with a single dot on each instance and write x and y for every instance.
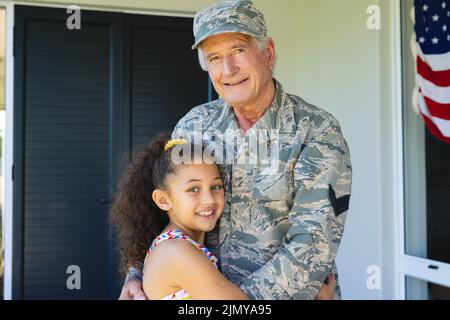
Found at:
(426, 29)
(444, 5)
(448, 37)
(435, 17)
(435, 40)
(422, 40)
(425, 8)
(444, 27)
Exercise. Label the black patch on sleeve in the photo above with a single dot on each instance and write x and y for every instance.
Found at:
(340, 205)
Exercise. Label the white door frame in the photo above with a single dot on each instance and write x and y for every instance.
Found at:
(8, 155)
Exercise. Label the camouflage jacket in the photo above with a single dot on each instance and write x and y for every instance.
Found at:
(280, 231)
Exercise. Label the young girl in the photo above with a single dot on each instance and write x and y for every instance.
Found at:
(161, 201)
(162, 211)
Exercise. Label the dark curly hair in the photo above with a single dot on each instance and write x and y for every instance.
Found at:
(137, 218)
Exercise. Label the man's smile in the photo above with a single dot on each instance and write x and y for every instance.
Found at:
(236, 82)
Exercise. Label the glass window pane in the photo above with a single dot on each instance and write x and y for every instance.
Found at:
(417, 289)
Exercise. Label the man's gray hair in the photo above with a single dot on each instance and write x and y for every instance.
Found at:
(261, 44)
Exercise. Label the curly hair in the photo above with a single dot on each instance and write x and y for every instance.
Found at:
(137, 218)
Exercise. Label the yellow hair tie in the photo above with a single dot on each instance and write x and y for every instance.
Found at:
(173, 143)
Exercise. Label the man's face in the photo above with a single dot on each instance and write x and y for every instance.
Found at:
(240, 72)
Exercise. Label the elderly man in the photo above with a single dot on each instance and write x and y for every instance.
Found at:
(280, 231)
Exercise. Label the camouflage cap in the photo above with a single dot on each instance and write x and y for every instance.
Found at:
(229, 16)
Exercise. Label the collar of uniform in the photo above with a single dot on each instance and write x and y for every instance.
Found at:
(266, 130)
(270, 119)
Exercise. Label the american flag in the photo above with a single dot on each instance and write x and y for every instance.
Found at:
(432, 50)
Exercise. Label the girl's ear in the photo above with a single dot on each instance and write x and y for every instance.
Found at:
(161, 199)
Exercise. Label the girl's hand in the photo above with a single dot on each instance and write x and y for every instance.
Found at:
(328, 289)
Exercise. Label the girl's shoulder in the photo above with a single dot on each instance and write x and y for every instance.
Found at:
(174, 249)
(159, 267)
(171, 253)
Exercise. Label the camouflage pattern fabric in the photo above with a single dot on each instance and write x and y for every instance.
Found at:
(229, 16)
(280, 232)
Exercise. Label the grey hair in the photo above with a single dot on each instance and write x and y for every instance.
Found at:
(260, 42)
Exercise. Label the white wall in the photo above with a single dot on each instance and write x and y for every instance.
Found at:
(327, 55)
(347, 69)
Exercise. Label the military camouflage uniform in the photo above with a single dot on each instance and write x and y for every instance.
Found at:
(280, 232)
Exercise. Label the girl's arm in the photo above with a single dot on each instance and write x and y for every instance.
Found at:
(193, 271)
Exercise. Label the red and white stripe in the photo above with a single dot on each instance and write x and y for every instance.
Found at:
(433, 91)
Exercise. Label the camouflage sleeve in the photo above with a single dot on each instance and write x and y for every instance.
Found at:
(182, 130)
(212, 241)
(322, 177)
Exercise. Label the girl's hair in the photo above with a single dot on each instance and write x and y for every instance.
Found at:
(137, 218)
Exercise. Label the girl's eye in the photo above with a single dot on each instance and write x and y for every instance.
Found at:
(218, 187)
(194, 189)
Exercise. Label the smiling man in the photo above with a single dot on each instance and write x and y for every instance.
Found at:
(280, 232)
(241, 71)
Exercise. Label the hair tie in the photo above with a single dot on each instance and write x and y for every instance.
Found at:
(172, 143)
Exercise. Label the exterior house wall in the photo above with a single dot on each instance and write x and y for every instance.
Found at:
(348, 69)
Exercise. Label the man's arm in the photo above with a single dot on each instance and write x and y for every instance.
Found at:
(132, 287)
(301, 265)
(212, 241)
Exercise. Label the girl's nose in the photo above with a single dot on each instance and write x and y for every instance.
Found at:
(208, 198)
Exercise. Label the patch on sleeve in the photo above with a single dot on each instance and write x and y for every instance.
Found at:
(340, 205)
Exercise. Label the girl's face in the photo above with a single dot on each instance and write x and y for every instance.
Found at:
(194, 199)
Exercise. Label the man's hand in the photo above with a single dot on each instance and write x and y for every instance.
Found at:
(132, 290)
(328, 289)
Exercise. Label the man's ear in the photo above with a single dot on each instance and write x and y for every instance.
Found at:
(161, 199)
(271, 53)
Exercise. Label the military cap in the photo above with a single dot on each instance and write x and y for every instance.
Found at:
(229, 16)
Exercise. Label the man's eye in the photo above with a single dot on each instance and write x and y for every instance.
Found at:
(212, 59)
(194, 189)
(218, 187)
(238, 50)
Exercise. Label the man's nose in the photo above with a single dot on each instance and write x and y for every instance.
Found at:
(229, 65)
